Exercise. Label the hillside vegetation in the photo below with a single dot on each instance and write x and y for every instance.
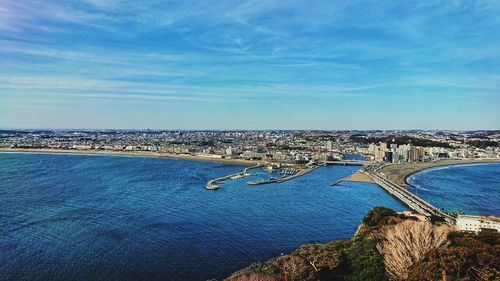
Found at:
(387, 247)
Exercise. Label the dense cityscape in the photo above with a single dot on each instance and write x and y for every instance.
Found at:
(278, 146)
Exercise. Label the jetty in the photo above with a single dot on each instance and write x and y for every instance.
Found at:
(284, 179)
(357, 176)
(212, 184)
(337, 182)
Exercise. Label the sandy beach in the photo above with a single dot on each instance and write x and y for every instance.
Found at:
(359, 177)
(133, 154)
(400, 172)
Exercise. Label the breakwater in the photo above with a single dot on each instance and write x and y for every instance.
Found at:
(284, 179)
(212, 184)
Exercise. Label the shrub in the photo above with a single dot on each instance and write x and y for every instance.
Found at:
(365, 262)
(257, 277)
(296, 269)
(323, 256)
(467, 257)
(406, 243)
(379, 216)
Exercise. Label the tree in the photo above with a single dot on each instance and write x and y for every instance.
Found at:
(365, 263)
(323, 256)
(295, 269)
(378, 216)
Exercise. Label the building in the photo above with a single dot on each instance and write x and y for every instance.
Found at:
(371, 149)
(383, 146)
(329, 145)
(412, 214)
(379, 154)
(251, 155)
(415, 153)
(477, 224)
(400, 155)
(388, 156)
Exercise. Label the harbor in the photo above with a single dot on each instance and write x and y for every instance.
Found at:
(368, 173)
(286, 178)
(286, 175)
(213, 184)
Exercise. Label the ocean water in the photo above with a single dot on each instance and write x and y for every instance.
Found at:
(471, 189)
(77, 217)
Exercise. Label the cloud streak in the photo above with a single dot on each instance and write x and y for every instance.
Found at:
(260, 57)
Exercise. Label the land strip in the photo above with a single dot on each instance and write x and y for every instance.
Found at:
(133, 153)
(359, 177)
(399, 173)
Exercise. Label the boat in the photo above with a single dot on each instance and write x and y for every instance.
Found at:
(237, 177)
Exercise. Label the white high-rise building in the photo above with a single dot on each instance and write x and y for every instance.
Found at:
(371, 148)
(329, 145)
(477, 223)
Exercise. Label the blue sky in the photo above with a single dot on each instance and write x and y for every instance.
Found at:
(250, 64)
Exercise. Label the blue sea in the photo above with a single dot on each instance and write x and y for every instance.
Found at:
(470, 189)
(81, 217)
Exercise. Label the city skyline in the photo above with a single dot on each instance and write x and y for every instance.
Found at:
(249, 65)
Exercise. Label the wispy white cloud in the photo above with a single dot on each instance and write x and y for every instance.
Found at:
(256, 52)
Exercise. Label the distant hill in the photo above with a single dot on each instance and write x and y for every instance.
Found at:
(398, 139)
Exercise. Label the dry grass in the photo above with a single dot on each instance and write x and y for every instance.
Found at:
(407, 243)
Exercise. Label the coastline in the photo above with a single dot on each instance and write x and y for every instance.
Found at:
(448, 165)
(400, 173)
(129, 154)
(358, 176)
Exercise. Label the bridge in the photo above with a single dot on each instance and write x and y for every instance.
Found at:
(413, 201)
(347, 162)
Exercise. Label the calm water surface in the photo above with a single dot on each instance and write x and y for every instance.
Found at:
(472, 189)
(75, 217)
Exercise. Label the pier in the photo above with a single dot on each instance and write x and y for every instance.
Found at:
(337, 182)
(212, 184)
(284, 179)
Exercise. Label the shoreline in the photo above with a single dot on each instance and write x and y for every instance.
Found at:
(449, 165)
(128, 154)
(400, 173)
(358, 176)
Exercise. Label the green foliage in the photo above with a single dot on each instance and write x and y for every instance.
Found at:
(365, 263)
(379, 216)
(325, 256)
(271, 267)
(398, 139)
(345, 260)
(483, 143)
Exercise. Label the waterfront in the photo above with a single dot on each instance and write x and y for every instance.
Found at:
(75, 217)
(472, 189)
